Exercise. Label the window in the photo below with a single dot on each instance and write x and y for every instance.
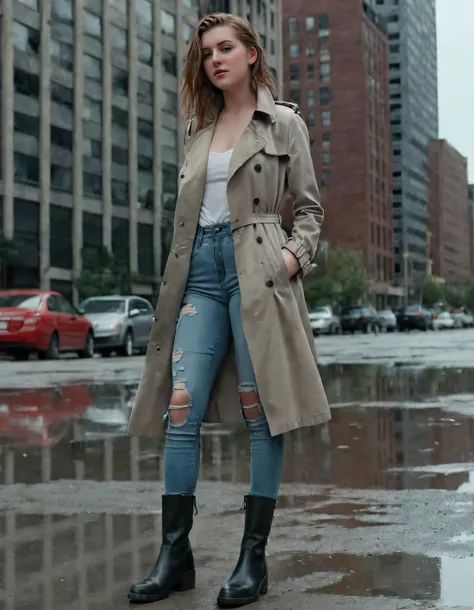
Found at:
(92, 25)
(295, 96)
(120, 192)
(309, 48)
(323, 25)
(26, 83)
(294, 72)
(62, 54)
(326, 157)
(169, 101)
(92, 110)
(25, 39)
(22, 123)
(324, 178)
(61, 178)
(310, 24)
(292, 26)
(168, 24)
(119, 40)
(326, 140)
(63, 96)
(119, 81)
(92, 68)
(294, 50)
(168, 142)
(187, 31)
(92, 185)
(311, 98)
(169, 62)
(145, 91)
(26, 239)
(60, 237)
(120, 240)
(324, 65)
(324, 96)
(144, 12)
(326, 118)
(146, 266)
(63, 10)
(310, 71)
(145, 52)
(91, 232)
(26, 168)
(145, 128)
(311, 119)
(31, 4)
(120, 5)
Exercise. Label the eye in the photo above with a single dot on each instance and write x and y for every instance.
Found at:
(227, 49)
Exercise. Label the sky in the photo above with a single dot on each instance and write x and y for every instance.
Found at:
(455, 21)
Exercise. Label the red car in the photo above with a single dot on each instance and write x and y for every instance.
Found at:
(42, 321)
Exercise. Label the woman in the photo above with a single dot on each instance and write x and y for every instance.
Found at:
(233, 284)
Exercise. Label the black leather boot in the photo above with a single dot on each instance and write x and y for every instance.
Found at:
(174, 568)
(250, 577)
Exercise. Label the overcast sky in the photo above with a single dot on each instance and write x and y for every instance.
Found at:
(456, 75)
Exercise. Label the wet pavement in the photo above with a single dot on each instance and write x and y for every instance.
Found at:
(375, 512)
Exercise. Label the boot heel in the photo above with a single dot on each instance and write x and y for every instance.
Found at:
(264, 587)
(187, 582)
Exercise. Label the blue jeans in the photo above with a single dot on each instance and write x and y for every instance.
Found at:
(210, 316)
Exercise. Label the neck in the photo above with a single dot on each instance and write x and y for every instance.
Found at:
(236, 101)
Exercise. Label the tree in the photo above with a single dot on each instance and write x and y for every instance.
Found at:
(431, 292)
(101, 274)
(455, 296)
(319, 289)
(8, 253)
(347, 269)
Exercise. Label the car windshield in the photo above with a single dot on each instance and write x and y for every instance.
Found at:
(104, 306)
(386, 312)
(412, 308)
(321, 311)
(23, 301)
(352, 311)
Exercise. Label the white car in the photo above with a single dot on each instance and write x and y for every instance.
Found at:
(324, 322)
(388, 320)
(443, 321)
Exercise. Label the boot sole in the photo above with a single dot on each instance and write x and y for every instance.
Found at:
(235, 602)
(185, 584)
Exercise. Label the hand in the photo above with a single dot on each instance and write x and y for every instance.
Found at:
(291, 262)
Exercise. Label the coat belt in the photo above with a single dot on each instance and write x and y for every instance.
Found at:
(255, 219)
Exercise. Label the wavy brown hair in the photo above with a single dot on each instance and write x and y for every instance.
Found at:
(200, 98)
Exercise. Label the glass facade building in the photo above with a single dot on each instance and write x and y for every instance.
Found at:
(90, 136)
(414, 122)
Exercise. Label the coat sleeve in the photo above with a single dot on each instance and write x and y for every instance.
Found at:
(308, 214)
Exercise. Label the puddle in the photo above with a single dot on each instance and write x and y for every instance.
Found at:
(398, 575)
(392, 428)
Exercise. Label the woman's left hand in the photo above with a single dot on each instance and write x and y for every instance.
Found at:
(291, 262)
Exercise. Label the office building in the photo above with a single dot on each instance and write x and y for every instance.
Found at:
(336, 69)
(414, 118)
(449, 214)
(90, 138)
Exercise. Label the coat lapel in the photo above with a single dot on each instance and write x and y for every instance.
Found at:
(250, 143)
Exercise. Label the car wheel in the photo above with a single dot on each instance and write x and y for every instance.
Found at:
(88, 350)
(105, 353)
(52, 351)
(127, 347)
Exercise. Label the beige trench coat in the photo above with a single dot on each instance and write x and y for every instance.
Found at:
(271, 160)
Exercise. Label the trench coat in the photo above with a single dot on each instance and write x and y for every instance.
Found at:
(271, 161)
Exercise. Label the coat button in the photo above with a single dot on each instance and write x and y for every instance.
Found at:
(258, 167)
(181, 223)
(259, 240)
(163, 283)
(256, 201)
(269, 283)
(182, 175)
(158, 348)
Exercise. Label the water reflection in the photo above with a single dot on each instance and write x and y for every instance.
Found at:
(79, 432)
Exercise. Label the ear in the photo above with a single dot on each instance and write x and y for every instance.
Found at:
(253, 55)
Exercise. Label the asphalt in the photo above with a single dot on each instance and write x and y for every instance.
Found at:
(375, 510)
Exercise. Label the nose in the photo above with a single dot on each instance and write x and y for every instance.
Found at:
(216, 57)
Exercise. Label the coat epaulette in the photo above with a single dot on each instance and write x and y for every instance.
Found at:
(291, 105)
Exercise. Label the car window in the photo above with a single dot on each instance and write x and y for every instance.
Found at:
(144, 306)
(133, 304)
(412, 308)
(54, 304)
(66, 306)
(91, 306)
(20, 300)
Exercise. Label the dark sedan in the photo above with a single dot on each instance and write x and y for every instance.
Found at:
(414, 317)
(359, 318)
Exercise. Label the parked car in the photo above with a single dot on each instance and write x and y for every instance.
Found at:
(42, 321)
(444, 321)
(324, 321)
(388, 320)
(462, 318)
(359, 318)
(121, 323)
(414, 317)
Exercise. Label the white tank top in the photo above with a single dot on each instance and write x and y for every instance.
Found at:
(215, 207)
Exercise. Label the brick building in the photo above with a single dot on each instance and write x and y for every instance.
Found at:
(336, 69)
(449, 214)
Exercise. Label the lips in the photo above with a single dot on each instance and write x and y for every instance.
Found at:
(220, 72)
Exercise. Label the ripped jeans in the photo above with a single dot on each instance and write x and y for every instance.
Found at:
(210, 315)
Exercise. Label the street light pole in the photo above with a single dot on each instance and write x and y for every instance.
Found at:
(405, 274)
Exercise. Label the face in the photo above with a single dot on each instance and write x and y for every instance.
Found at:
(226, 60)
